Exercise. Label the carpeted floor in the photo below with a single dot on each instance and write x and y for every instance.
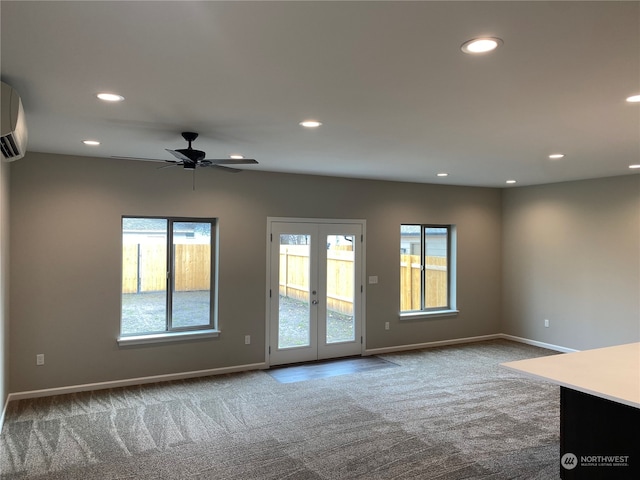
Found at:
(443, 413)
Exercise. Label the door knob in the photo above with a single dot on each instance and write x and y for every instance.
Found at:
(314, 302)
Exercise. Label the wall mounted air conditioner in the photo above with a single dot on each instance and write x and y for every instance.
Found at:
(12, 125)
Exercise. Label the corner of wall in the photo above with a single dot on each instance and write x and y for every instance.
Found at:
(4, 288)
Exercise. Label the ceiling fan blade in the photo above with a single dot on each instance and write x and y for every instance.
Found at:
(179, 155)
(173, 164)
(231, 161)
(226, 169)
(140, 158)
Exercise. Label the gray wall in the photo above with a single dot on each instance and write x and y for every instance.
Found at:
(568, 252)
(4, 282)
(66, 260)
(572, 255)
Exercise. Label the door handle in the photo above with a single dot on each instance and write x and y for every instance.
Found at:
(314, 302)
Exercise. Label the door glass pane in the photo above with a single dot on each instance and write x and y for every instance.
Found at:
(144, 275)
(294, 314)
(340, 288)
(435, 272)
(191, 302)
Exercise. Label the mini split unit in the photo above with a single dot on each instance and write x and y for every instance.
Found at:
(12, 125)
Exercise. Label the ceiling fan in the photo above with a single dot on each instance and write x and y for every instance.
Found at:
(190, 158)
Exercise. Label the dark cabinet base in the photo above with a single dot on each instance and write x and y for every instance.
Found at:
(599, 438)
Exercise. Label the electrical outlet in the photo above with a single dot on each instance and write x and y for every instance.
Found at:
(40, 359)
(386, 325)
(546, 322)
(247, 339)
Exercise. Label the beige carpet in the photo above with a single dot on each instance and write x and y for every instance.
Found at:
(443, 413)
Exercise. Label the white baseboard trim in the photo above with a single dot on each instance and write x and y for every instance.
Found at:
(548, 346)
(457, 341)
(132, 381)
(442, 343)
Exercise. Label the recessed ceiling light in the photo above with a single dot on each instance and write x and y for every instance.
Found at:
(511, 181)
(556, 156)
(442, 174)
(110, 97)
(91, 142)
(481, 45)
(633, 99)
(310, 123)
(634, 166)
(235, 156)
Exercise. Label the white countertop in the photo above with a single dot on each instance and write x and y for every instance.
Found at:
(612, 372)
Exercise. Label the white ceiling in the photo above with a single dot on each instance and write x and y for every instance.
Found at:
(397, 97)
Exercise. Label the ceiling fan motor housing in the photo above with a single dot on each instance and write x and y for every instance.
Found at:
(194, 155)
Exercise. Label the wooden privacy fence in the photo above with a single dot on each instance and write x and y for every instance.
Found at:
(294, 279)
(144, 267)
(435, 279)
(144, 270)
(294, 276)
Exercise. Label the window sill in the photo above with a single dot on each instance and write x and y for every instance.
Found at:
(125, 341)
(427, 315)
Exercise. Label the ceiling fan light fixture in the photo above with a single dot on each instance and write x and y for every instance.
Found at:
(110, 97)
(480, 45)
(633, 99)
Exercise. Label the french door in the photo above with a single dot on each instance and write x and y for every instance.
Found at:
(315, 290)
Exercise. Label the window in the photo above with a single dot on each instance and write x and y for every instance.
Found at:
(168, 280)
(426, 271)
